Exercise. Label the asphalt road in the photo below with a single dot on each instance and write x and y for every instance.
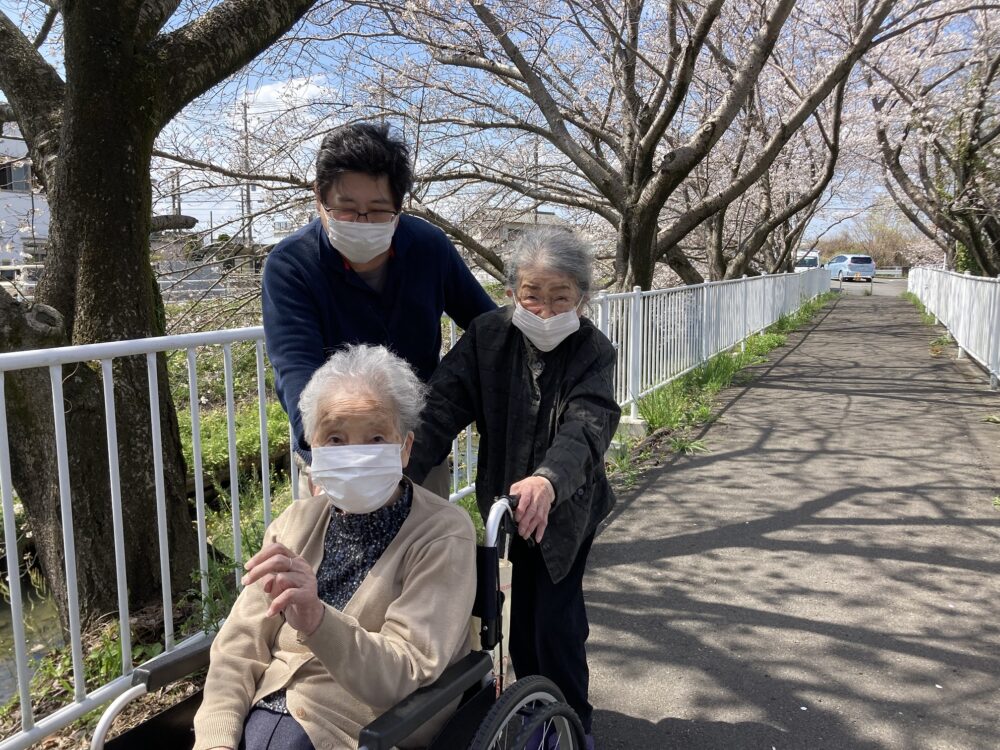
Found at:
(828, 576)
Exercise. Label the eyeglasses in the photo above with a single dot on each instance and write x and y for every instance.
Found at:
(562, 303)
(372, 217)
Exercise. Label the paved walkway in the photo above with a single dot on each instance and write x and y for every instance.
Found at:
(829, 575)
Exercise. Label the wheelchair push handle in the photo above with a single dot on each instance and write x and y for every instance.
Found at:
(502, 509)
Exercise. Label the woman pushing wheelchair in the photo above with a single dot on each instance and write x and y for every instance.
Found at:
(536, 378)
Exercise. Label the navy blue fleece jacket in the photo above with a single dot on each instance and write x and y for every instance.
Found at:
(314, 303)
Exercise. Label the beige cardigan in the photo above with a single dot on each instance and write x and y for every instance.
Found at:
(408, 620)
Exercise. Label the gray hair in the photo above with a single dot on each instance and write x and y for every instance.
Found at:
(551, 249)
(370, 369)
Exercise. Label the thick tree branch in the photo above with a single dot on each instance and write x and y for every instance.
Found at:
(756, 239)
(218, 43)
(685, 75)
(33, 88)
(171, 221)
(483, 256)
(152, 15)
(694, 216)
(606, 182)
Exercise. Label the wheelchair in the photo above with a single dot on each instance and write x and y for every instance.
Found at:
(529, 714)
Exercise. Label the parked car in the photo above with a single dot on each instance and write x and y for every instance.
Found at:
(852, 268)
(804, 264)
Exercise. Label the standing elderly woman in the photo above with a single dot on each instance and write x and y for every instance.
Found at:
(361, 593)
(536, 378)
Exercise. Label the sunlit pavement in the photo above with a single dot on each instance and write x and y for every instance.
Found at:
(828, 575)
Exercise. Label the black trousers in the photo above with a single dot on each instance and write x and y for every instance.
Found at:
(548, 628)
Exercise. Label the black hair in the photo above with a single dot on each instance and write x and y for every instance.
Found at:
(367, 148)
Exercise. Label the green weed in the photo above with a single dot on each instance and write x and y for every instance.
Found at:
(996, 502)
(52, 682)
(666, 407)
(621, 463)
(210, 362)
(687, 446)
(927, 318)
(992, 419)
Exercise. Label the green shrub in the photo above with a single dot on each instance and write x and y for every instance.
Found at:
(210, 361)
(215, 437)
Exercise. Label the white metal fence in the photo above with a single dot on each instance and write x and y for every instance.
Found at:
(659, 335)
(969, 307)
(664, 333)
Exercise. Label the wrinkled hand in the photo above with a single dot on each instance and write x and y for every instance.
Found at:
(290, 582)
(533, 506)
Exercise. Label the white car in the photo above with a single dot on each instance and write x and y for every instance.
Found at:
(852, 268)
(804, 264)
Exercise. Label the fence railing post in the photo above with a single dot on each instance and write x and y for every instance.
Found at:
(965, 322)
(635, 351)
(746, 323)
(993, 332)
(704, 322)
(603, 312)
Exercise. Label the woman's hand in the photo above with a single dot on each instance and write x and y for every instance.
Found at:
(290, 582)
(534, 503)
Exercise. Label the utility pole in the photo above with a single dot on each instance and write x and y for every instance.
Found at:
(175, 194)
(538, 186)
(246, 168)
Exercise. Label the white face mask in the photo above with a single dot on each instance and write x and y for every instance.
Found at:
(357, 478)
(545, 333)
(359, 241)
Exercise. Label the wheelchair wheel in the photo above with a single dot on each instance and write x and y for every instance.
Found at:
(513, 710)
(556, 725)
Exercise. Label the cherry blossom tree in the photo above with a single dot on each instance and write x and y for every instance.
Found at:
(935, 91)
(90, 113)
(612, 108)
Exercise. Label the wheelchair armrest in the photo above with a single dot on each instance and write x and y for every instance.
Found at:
(166, 668)
(403, 719)
(154, 674)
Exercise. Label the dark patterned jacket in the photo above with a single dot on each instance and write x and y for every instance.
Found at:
(551, 414)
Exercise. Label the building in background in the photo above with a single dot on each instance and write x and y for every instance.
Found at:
(24, 212)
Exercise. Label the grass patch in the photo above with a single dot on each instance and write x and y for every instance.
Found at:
(623, 463)
(996, 502)
(219, 522)
(927, 318)
(215, 437)
(992, 419)
(52, 681)
(686, 446)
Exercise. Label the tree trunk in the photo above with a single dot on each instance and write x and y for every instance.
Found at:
(636, 235)
(98, 276)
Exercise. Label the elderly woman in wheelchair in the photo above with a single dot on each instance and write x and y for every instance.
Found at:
(352, 630)
(360, 594)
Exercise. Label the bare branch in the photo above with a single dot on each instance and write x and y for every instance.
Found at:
(288, 179)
